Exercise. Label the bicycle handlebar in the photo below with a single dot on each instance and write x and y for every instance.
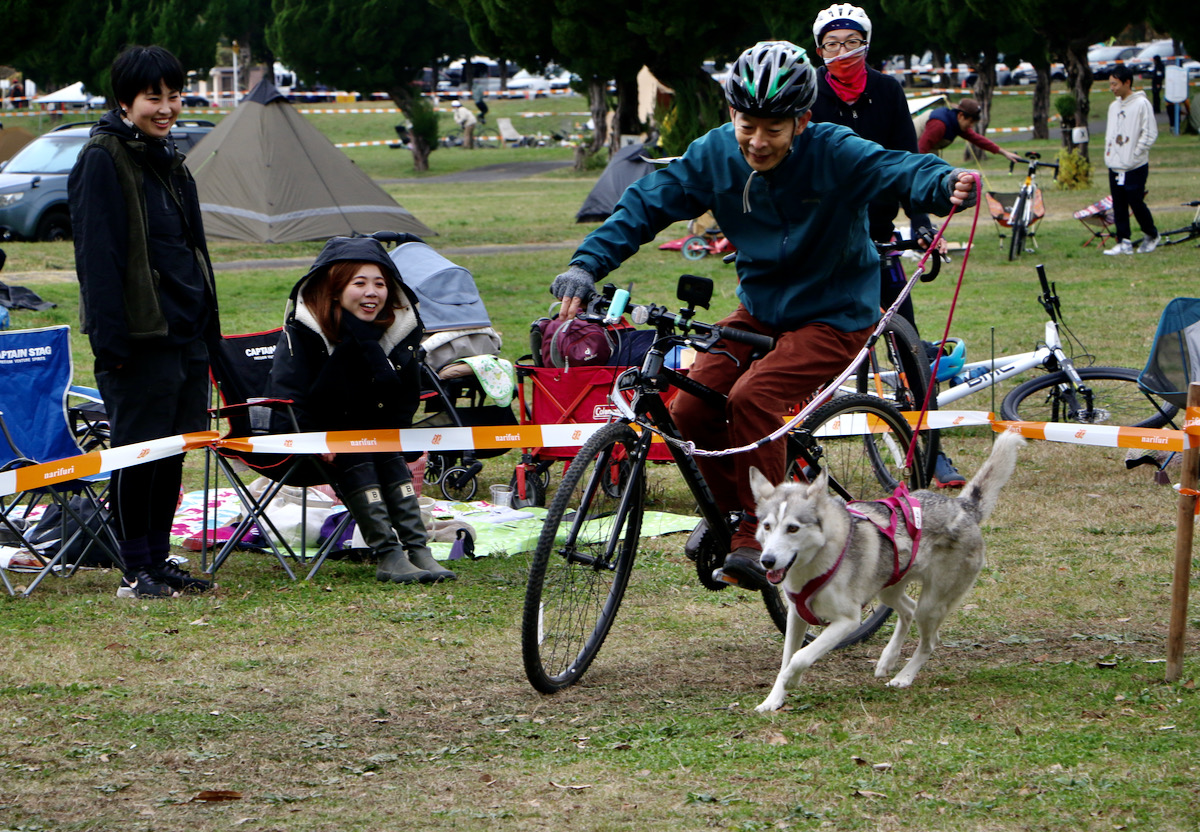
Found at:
(914, 245)
(1034, 163)
(683, 325)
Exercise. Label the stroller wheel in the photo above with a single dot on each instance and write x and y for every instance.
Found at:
(458, 484)
(535, 492)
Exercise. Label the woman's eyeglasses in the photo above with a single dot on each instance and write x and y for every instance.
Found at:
(832, 47)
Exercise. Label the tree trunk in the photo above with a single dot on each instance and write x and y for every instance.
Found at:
(418, 112)
(1041, 105)
(598, 108)
(625, 117)
(1079, 78)
(985, 85)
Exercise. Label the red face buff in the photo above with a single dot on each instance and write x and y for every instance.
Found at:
(848, 73)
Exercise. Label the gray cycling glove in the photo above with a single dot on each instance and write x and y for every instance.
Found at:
(575, 282)
(948, 187)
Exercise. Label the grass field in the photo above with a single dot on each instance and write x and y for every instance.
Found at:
(345, 704)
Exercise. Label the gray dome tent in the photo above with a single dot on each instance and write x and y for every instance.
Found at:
(625, 167)
(266, 174)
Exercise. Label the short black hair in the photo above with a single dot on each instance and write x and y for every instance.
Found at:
(1122, 73)
(139, 68)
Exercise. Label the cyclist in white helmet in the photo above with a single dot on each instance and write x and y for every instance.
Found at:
(871, 104)
(792, 197)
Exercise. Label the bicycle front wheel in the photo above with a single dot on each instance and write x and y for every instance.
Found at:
(1016, 245)
(1116, 399)
(583, 559)
(862, 443)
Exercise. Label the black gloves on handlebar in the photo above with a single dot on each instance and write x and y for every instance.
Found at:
(575, 282)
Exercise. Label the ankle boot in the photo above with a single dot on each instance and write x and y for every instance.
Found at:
(405, 512)
(371, 514)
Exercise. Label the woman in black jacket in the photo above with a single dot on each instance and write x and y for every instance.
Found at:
(348, 360)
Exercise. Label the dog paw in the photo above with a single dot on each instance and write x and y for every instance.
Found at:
(899, 683)
(769, 704)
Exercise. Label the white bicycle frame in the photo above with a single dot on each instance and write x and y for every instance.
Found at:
(1002, 368)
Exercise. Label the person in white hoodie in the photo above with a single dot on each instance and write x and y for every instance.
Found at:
(1130, 133)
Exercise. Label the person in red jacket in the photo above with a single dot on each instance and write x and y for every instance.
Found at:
(944, 125)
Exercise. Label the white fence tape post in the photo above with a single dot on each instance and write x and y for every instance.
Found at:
(1185, 527)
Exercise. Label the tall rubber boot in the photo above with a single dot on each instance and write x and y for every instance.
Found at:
(370, 512)
(405, 511)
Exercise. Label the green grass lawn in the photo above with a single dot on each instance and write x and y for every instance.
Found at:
(345, 704)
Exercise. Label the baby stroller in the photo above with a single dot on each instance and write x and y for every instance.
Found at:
(570, 384)
(464, 381)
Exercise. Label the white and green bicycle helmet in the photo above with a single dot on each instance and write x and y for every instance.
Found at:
(772, 79)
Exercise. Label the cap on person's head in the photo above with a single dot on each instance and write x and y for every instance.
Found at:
(969, 107)
(456, 104)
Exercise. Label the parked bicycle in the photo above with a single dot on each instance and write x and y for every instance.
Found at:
(1068, 391)
(1022, 217)
(590, 537)
(1186, 233)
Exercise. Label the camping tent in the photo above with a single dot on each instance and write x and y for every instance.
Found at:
(72, 96)
(266, 174)
(625, 167)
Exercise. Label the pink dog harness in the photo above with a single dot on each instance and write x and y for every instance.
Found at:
(899, 503)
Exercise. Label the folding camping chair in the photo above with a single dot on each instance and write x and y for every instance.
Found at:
(1000, 206)
(509, 135)
(1174, 363)
(241, 369)
(1098, 219)
(35, 427)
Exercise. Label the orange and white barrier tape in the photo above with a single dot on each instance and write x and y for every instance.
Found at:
(544, 436)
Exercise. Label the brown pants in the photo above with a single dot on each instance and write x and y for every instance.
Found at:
(759, 397)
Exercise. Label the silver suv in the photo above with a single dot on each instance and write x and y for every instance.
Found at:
(33, 183)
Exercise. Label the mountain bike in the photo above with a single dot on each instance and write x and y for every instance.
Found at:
(1188, 232)
(1022, 218)
(589, 541)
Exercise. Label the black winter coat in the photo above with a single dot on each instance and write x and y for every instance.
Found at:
(370, 380)
(881, 115)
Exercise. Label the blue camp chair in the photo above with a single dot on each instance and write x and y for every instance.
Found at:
(36, 426)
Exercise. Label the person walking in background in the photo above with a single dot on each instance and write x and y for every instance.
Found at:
(478, 90)
(872, 104)
(1156, 82)
(1128, 137)
(147, 302)
(465, 119)
(945, 124)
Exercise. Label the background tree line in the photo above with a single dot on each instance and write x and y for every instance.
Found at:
(370, 45)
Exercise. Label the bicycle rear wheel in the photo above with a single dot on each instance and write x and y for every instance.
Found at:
(1117, 399)
(898, 370)
(1016, 245)
(862, 442)
(583, 560)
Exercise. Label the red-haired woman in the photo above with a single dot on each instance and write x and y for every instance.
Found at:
(348, 360)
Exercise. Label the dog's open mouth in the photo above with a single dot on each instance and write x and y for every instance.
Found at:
(776, 576)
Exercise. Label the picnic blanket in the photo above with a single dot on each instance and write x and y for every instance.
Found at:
(498, 532)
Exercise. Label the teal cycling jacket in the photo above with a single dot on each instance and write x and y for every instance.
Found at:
(803, 250)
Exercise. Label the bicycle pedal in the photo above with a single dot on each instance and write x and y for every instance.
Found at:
(719, 575)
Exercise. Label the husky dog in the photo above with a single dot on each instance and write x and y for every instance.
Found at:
(832, 559)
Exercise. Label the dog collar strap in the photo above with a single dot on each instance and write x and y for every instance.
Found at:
(802, 600)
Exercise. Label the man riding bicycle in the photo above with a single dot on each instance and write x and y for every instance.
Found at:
(793, 199)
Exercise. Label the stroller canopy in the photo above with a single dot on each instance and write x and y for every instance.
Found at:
(447, 292)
